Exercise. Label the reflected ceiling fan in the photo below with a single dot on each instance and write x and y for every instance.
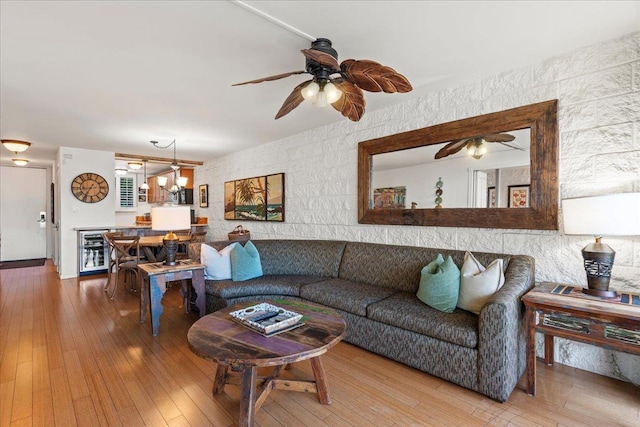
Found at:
(475, 145)
(340, 85)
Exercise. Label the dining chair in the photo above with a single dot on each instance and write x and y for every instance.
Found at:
(182, 247)
(198, 236)
(111, 254)
(127, 258)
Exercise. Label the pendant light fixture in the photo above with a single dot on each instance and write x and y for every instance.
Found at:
(179, 182)
(145, 186)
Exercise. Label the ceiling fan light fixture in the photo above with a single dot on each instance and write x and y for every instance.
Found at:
(332, 92)
(310, 91)
(20, 162)
(15, 145)
(320, 100)
(476, 149)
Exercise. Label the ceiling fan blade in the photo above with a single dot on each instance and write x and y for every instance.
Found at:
(270, 78)
(293, 100)
(374, 77)
(511, 146)
(451, 148)
(321, 58)
(499, 137)
(351, 104)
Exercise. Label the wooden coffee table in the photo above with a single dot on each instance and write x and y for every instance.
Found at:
(236, 348)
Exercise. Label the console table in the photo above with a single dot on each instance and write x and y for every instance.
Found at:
(561, 310)
(153, 284)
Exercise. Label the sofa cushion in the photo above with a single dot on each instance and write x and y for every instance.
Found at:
(478, 283)
(353, 297)
(245, 262)
(439, 284)
(265, 285)
(404, 310)
(217, 264)
(312, 257)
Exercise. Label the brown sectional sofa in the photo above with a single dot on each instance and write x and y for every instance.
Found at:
(373, 286)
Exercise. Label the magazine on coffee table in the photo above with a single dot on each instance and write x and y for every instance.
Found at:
(267, 319)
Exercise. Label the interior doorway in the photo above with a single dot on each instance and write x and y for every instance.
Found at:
(23, 213)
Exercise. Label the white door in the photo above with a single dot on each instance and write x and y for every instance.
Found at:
(23, 197)
(480, 188)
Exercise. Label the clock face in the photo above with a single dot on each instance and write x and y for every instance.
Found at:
(89, 187)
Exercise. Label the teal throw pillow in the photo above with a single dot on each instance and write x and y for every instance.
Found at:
(245, 262)
(440, 284)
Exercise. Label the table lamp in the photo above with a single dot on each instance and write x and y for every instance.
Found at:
(610, 215)
(170, 219)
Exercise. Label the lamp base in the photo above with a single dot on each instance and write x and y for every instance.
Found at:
(599, 293)
(598, 263)
(170, 242)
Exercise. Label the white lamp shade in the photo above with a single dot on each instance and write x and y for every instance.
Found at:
(162, 181)
(610, 215)
(182, 181)
(170, 218)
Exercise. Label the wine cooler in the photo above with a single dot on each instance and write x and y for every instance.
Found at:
(93, 252)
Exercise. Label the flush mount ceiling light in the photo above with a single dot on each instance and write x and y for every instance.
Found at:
(121, 171)
(134, 165)
(20, 162)
(15, 145)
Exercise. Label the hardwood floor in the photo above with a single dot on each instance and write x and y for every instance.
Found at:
(71, 356)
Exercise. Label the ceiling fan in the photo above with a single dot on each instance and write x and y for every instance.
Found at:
(475, 146)
(337, 84)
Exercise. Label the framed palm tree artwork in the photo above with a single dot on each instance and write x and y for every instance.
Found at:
(258, 198)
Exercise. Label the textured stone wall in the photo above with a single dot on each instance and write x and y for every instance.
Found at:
(598, 88)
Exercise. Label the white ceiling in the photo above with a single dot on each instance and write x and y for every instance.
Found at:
(113, 75)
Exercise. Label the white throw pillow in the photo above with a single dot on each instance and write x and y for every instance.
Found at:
(478, 284)
(217, 265)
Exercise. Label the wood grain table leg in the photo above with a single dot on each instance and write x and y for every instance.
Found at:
(144, 284)
(548, 350)
(321, 382)
(531, 351)
(248, 396)
(157, 285)
(222, 372)
(198, 285)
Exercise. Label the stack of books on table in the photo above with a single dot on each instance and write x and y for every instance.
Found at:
(267, 319)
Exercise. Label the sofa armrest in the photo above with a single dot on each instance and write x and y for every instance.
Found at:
(500, 346)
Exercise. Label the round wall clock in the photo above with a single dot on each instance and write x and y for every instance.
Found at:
(89, 187)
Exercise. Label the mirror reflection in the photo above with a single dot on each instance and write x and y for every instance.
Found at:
(471, 172)
(479, 174)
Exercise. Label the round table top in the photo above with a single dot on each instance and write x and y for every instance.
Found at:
(218, 337)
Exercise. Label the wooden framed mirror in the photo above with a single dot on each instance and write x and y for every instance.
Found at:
(536, 204)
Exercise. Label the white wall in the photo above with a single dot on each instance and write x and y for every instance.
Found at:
(71, 162)
(599, 116)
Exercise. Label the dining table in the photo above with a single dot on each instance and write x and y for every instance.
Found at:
(153, 247)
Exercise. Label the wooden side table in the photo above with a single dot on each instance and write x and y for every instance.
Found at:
(153, 284)
(561, 310)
